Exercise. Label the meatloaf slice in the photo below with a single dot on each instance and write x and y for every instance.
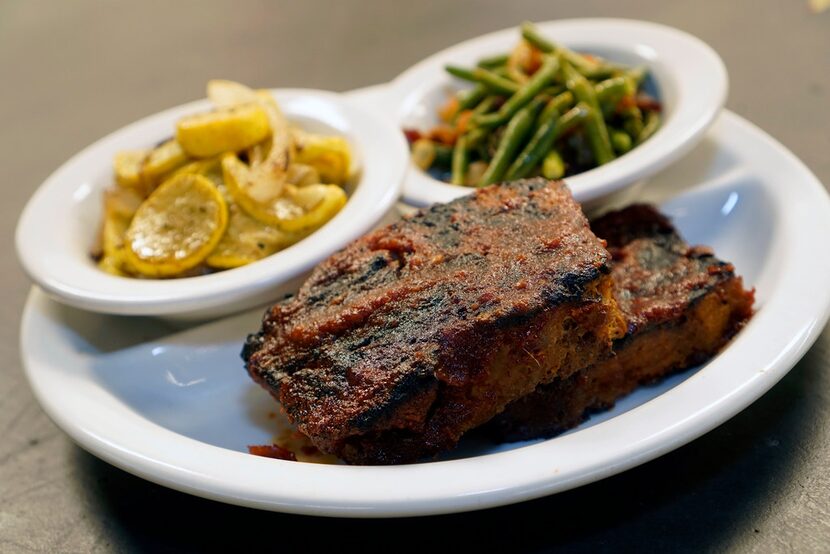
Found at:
(414, 334)
(681, 305)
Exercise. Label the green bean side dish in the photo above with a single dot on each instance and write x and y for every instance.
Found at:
(542, 109)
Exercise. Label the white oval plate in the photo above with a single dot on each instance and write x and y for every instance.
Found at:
(179, 409)
(690, 77)
(58, 225)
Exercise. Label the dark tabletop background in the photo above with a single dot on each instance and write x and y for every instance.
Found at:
(71, 72)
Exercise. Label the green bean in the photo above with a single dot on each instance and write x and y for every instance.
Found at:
(443, 156)
(478, 75)
(556, 105)
(553, 167)
(460, 72)
(620, 141)
(459, 161)
(553, 90)
(471, 97)
(598, 138)
(581, 63)
(595, 125)
(516, 74)
(581, 88)
(546, 134)
(525, 94)
(573, 117)
(652, 122)
(476, 137)
(633, 121)
(494, 82)
(611, 90)
(516, 131)
(483, 153)
(485, 105)
(493, 62)
(531, 34)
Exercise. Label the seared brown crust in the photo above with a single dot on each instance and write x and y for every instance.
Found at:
(681, 305)
(422, 330)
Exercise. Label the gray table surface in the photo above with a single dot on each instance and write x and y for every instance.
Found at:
(74, 71)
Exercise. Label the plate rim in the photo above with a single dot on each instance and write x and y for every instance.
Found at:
(460, 496)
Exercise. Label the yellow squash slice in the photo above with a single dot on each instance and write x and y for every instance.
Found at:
(113, 243)
(127, 165)
(111, 266)
(160, 162)
(176, 227)
(228, 129)
(329, 155)
(290, 208)
(247, 240)
(302, 175)
(120, 204)
(210, 168)
(226, 94)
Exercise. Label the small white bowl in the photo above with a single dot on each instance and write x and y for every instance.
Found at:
(57, 228)
(690, 78)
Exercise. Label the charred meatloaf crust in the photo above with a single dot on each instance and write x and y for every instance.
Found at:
(681, 305)
(419, 331)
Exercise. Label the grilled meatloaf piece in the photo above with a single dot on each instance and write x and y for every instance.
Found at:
(417, 332)
(681, 305)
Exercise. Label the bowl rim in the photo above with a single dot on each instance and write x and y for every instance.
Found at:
(383, 164)
(685, 62)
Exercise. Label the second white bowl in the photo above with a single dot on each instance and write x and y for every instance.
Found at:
(690, 78)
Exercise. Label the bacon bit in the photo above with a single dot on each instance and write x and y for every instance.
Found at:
(521, 284)
(626, 102)
(589, 57)
(412, 135)
(533, 61)
(443, 134)
(519, 62)
(647, 103)
(449, 109)
(272, 451)
(463, 121)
